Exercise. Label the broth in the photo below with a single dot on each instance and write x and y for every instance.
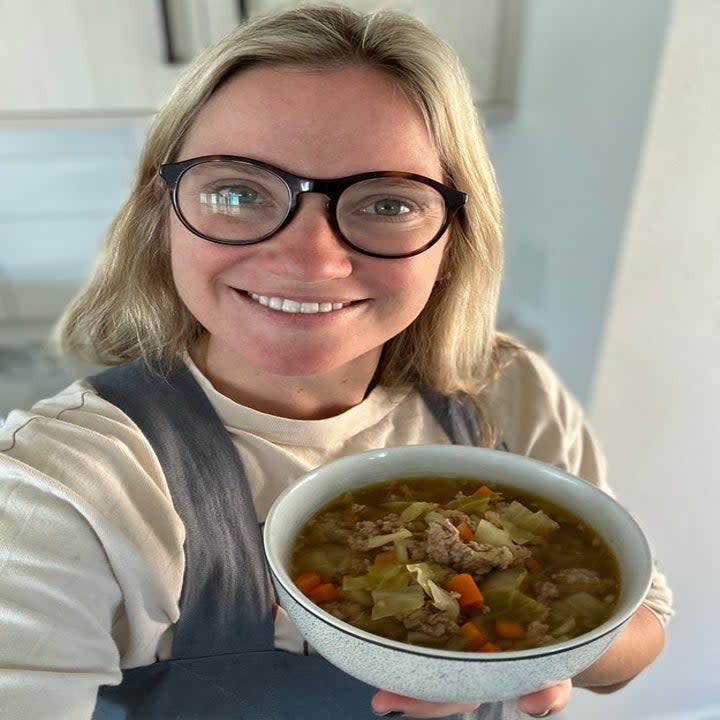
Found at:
(456, 564)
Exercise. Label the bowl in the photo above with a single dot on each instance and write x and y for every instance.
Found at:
(445, 675)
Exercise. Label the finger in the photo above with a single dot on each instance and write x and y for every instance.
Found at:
(385, 702)
(546, 702)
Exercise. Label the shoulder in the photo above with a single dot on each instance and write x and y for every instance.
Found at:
(536, 415)
(85, 451)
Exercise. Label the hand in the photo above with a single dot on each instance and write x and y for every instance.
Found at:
(553, 699)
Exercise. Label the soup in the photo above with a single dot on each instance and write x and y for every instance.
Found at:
(456, 564)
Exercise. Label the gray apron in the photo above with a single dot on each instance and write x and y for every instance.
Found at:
(224, 664)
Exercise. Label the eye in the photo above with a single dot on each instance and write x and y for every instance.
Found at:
(235, 195)
(389, 207)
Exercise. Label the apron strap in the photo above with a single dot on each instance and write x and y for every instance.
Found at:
(456, 416)
(225, 563)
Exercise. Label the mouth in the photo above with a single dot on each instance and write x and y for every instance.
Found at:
(296, 307)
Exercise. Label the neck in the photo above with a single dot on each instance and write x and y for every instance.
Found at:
(312, 397)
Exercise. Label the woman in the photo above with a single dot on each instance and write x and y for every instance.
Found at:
(310, 251)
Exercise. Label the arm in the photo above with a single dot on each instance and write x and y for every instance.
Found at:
(640, 642)
(539, 418)
(637, 646)
(84, 524)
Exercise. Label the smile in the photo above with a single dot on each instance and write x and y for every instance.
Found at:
(293, 306)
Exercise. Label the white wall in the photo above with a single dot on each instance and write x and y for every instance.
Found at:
(566, 164)
(656, 399)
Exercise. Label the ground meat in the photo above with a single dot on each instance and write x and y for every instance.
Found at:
(346, 610)
(445, 547)
(458, 516)
(365, 529)
(537, 633)
(544, 591)
(429, 620)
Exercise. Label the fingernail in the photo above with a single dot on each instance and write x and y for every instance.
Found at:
(541, 715)
(390, 713)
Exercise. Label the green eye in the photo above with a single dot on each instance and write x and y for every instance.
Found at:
(239, 195)
(389, 207)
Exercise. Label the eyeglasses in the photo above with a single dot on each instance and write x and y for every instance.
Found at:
(240, 201)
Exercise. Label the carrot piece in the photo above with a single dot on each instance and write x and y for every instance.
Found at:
(489, 647)
(384, 558)
(323, 593)
(307, 581)
(533, 565)
(465, 531)
(467, 589)
(474, 636)
(483, 491)
(510, 629)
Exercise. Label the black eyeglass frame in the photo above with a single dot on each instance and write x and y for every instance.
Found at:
(333, 188)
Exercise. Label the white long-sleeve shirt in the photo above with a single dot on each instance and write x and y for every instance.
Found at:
(91, 548)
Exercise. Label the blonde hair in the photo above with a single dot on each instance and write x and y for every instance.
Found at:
(130, 308)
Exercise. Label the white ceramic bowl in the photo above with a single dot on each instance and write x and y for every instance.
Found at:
(443, 675)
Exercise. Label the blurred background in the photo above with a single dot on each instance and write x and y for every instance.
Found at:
(601, 118)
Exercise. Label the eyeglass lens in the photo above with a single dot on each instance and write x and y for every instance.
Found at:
(239, 202)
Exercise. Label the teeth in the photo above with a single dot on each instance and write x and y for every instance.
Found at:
(292, 306)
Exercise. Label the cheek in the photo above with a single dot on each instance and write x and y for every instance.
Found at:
(195, 261)
(416, 276)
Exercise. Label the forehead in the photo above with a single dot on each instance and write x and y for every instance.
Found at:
(315, 122)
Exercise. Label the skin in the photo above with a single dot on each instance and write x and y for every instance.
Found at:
(318, 124)
(329, 123)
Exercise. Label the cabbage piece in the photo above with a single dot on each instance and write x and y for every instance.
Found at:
(428, 578)
(328, 561)
(380, 540)
(476, 504)
(415, 510)
(355, 582)
(588, 611)
(510, 579)
(490, 534)
(401, 549)
(423, 574)
(514, 605)
(361, 597)
(564, 627)
(536, 523)
(389, 602)
(443, 600)
(393, 576)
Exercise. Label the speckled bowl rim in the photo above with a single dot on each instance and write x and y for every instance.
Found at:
(626, 607)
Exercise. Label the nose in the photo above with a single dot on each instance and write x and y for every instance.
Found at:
(308, 248)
